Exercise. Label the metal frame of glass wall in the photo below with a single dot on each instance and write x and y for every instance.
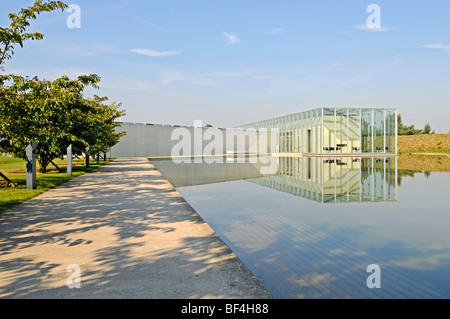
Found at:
(335, 131)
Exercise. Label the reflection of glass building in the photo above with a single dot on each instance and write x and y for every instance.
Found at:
(335, 131)
(336, 179)
(343, 179)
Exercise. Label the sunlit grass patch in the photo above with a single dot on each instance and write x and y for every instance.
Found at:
(15, 170)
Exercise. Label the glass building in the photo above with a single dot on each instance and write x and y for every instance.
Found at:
(342, 179)
(335, 179)
(335, 131)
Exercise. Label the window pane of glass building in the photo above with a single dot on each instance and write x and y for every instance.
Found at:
(335, 179)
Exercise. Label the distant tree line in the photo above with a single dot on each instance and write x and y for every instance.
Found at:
(411, 130)
(54, 114)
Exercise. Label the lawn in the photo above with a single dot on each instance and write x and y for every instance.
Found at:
(14, 169)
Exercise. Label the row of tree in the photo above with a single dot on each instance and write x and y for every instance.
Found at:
(54, 114)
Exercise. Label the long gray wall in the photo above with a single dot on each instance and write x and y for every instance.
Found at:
(159, 140)
(203, 173)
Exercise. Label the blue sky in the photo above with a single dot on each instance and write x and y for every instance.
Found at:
(228, 63)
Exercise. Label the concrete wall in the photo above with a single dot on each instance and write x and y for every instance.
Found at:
(203, 173)
(160, 140)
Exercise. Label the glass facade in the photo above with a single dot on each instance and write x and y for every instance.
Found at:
(335, 179)
(335, 131)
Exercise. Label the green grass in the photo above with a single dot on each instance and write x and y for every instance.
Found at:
(15, 170)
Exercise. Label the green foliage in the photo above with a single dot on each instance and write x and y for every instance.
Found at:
(427, 129)
(55, 114)
(408, 130)
(411, 130)
(15, 33)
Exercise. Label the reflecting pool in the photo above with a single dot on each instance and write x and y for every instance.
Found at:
(311, 227)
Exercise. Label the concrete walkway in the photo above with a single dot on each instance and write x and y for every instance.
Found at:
(129, 232)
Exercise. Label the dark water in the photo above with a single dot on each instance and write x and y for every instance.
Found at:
(311, 228)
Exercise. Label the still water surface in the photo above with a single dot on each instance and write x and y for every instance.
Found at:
(311, 228)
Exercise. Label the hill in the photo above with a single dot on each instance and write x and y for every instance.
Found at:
(424, 143)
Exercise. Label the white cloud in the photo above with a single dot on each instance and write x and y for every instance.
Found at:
(364, 27)
(438, 46)
(276, 31)
(157, 54)
(144, 22)
(232, 39)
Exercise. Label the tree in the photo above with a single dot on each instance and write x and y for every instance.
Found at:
(15, 34)
(55, 114)
(406, 130)
(106, 136)
(98, 129)
(427, 129)
(411, 130)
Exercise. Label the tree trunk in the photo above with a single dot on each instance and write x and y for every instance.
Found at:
(55, 166)
(43, 163)
(8, 181)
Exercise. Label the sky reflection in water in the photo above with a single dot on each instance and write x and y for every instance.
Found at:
(311, 229)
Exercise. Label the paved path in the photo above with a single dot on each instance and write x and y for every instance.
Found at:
(131, 234)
